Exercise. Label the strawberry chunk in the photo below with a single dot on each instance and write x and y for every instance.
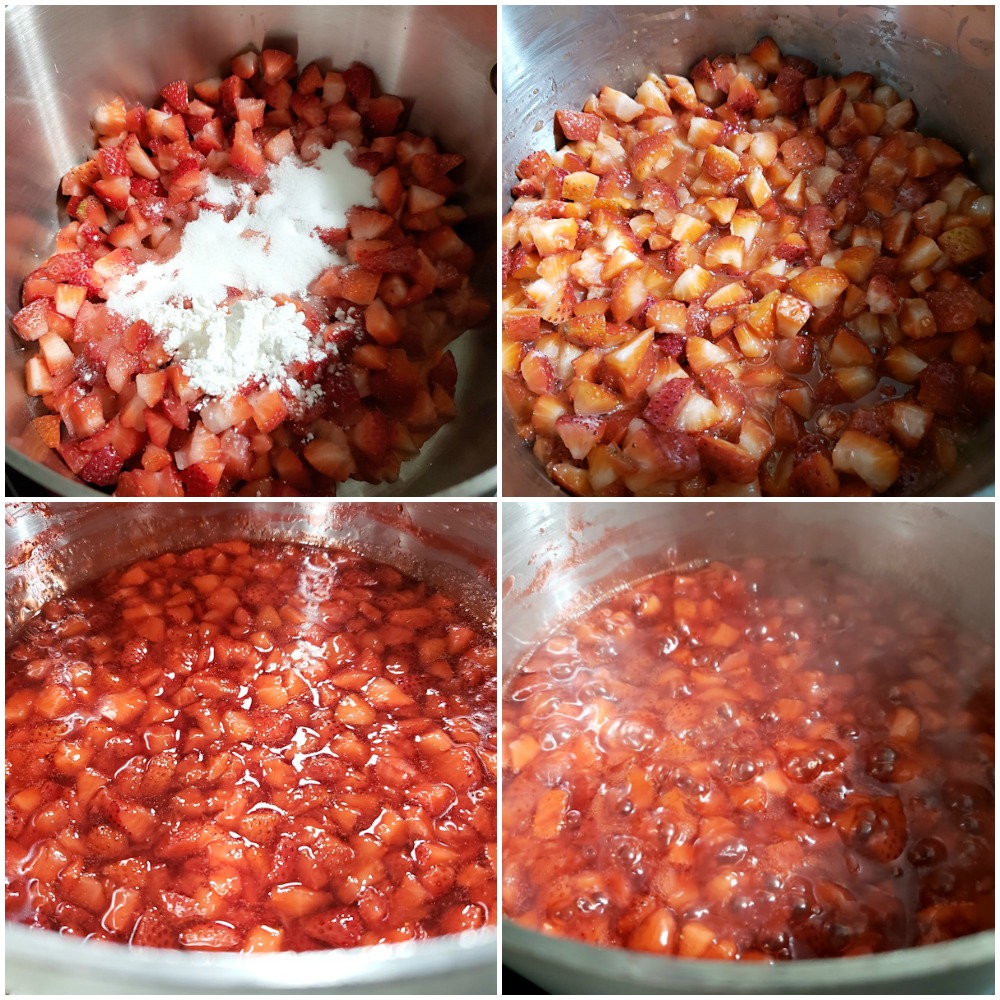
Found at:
(176, 95)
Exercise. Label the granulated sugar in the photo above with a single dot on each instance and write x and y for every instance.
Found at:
(269, 248)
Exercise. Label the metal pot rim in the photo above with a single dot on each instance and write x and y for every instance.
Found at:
(285, 971)
(630, 967)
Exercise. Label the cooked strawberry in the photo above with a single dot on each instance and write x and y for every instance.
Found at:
(662, 406)
(942, 387)
(336, 928)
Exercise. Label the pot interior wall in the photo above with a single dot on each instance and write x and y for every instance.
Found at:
(561, 558)
(62, 62)
(941, 57)
(51, 548)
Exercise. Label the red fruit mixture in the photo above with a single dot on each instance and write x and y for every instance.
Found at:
(758, 281)
(775, 761)
(252, 747)
(121, 414)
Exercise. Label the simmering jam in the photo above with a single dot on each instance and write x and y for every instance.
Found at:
(771, 760)
(256, 747)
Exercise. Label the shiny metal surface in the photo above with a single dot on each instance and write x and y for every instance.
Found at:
(940, 56)
(52, 546)
(559, 558)
(61, 62)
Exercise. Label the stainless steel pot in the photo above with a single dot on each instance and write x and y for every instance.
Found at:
(941, 56)
(559, 558)
(52, 547)
(64, 61)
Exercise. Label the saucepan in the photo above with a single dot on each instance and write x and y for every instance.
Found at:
(55, 546)
(62, 62)
(559, 558)
(941, 57)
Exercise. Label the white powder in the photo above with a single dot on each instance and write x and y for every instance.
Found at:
(270, 247)
(221, 349)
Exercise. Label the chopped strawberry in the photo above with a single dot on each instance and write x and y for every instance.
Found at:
(103, 467)
(245, 154)
(359, 80)
(164, 483)
(275, 65)
(942, 387)
(176, 95)
(380, 256)
(114, 192)
(336, 928)
(662, 406)
(113, 163)
(202, 478)
(578, 125)
(269, 410)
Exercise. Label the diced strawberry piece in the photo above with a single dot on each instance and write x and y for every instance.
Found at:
(103, 467)
(37, 378)
(176, 95)
(211, 136)
(341, 928)
(109, 119)
(114, 192)
(32, 322)
(279, 146)
(359, 80)
(579, 125)
(202, 478)
(70, 268)
(942, 387)
(112, 162)
(250, 110)
(165, 483)
(359, 285)
(38, 285)
(158, 427)
(372, 434)
(381, 114)
(275, 65)
(244, 66)
(120, 368)
(380, 256)
(269, 410)
(185, 181)
(245, 154)
(115, 264)
(367, 223)
(662, 406)
(387, 186)
(47, 428)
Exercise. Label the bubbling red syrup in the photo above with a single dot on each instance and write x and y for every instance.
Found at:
(774, 760)
(256, 747)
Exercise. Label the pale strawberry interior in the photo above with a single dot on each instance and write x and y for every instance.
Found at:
(252, 747)
(756, 281)
(352, 392)
(777, 760)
